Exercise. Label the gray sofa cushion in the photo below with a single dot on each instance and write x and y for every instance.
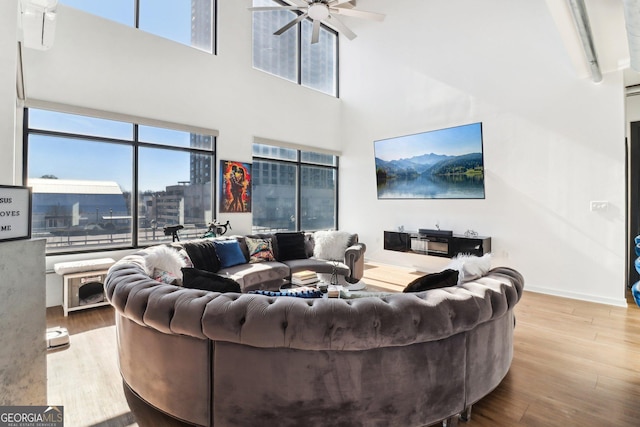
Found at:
(259, 275)
(354, 261)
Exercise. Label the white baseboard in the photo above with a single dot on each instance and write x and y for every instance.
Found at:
(578, 296)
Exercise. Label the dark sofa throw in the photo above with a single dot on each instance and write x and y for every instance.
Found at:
(291, 246)
(194, 278)
(203, 255)
(442, 279)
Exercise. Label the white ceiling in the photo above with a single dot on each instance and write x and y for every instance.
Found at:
(606, 19)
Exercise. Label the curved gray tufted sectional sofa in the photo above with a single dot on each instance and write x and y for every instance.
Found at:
(250, 360)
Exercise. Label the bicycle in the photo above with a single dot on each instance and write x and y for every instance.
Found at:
(217, 229)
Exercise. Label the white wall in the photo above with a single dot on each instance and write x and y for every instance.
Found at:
(23, 368)
(10, 151)
(552, 142)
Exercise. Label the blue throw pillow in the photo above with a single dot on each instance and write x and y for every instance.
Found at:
(229, 253)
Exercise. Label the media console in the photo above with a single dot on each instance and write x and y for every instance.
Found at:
(440, 243)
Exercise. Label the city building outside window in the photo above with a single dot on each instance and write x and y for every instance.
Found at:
(291, 54)
(293, 189)
(190, 22)
(86, 196)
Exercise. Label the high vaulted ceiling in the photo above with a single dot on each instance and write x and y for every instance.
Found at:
(609, 35)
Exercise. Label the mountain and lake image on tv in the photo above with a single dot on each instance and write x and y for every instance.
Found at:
(439, 164)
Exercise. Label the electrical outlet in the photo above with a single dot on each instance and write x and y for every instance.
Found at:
(599, 205)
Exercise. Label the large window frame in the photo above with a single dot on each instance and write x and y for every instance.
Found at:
(302, 54)
(98, 8)
(137, 143)
(299, 159)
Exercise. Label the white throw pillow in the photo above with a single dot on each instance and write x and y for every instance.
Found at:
(164, 258)
(330, 245)
(470, 267)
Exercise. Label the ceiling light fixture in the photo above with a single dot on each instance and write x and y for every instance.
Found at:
(318, 11)
(322, 12)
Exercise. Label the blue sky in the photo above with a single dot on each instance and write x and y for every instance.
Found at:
(166, 18)
(90, 160)
(453, 141)
(106, 162)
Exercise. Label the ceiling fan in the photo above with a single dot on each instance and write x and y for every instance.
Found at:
(322, 11)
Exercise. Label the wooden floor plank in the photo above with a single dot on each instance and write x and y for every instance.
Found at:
(575, 363)
(84, 377)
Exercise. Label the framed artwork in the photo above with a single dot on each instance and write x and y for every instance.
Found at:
(15, 213)
(439, 164)
(235, 186)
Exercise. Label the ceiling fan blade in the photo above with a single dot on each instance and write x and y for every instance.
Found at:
(291, 24)
(337, 2)
(302, 3)
(373, 16)
(342, 29)
(260, 8)
(316, 31)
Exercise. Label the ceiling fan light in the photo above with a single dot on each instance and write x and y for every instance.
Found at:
(318, 11)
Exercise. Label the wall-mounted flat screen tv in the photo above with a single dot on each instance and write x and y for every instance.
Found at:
(439, 164)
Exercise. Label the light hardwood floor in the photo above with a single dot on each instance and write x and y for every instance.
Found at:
(575, 364)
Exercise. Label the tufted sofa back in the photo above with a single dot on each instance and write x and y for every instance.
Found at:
(316, 324)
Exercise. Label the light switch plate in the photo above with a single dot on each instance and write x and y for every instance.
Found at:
(599, 205)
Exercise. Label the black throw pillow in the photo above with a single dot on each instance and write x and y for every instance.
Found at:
(442, 279)
(290, 246)
(203, 255)
(194, 278)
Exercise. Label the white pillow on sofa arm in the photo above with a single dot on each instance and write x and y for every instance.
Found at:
(164, 259)
(330, 245)
(470, 267)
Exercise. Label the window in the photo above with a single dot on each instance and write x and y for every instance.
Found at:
(100, 184)
(190, 22)
(275, 54)
(293, 189)
(319, 64)
(291, 55)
